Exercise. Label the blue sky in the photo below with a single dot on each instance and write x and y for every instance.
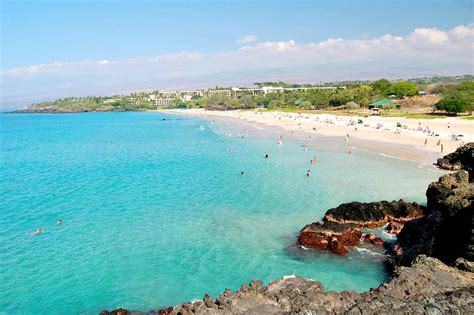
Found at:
(36, 32)
(46, 32)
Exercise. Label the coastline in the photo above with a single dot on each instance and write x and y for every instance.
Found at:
(408, 144)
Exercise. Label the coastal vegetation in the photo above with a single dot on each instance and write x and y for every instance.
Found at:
(436, 96)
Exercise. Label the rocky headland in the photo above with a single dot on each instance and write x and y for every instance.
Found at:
(432, 259)
(60, 110)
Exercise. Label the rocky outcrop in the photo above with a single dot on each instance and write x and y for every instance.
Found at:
(427, 287)
(60, 110)
(446, 233)
(374, 214)
(333, 237)
(461, 159)
(341, 227)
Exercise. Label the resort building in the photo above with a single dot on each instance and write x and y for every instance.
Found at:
(163, 101)
(166, 98)
(221, 92)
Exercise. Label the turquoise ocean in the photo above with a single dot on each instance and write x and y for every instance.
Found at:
(156, 212)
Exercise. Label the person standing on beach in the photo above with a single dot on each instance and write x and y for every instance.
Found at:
(426, 141)
(442, 148)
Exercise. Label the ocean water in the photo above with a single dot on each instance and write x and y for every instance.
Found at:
(155, 212)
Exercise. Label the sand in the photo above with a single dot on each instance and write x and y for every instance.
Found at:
(374, 133)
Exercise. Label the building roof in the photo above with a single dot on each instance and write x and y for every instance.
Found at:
(383, 102)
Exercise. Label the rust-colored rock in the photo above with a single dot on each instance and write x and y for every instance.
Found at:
(337, 247)
(333, 238)
(373, 239)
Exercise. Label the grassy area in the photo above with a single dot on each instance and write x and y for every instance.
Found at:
(409, 114)
(294, 109)
(468, 118)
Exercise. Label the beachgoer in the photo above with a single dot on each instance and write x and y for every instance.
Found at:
(350, 151)
(38, 231)
(438, 143)
(442, 148)
(59, 222)
(308, 173)
(266, 155)
(426, 141)
(242, 173)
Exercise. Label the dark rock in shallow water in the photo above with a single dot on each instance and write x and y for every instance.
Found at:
(342, 225)
(373, 239)
(461, 159)
(394, 228)
(373, 214)
(447, 232)
(119, 311)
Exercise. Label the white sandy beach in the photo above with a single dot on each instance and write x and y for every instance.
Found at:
(374, 133)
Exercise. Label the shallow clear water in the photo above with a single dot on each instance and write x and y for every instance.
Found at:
(156, 212)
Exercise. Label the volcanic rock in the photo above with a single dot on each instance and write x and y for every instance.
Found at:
(446, 233)
(374, 214)
(329, 237)
(461, 159)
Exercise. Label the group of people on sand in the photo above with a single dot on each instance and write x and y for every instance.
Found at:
(40, 230)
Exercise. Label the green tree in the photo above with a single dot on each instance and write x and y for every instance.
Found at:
(452, 105)
(404, 88)
(382, 86)
(465, 92)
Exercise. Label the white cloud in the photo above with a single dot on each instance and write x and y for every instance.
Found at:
(246, 39)
(425, 51)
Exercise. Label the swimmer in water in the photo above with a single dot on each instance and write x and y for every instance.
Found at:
(308, 173)
(266, 155)
(59, 222)
(38, 231)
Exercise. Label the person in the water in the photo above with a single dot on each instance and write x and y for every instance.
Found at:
(266, 155)
(308, 173)
(59, 222)
(38, 231)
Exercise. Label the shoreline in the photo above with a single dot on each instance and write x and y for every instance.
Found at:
(408, 144)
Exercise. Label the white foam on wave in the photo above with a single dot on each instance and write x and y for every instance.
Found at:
(368, 251)
(389, 236)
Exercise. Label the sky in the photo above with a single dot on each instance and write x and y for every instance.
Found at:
(54, 48)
